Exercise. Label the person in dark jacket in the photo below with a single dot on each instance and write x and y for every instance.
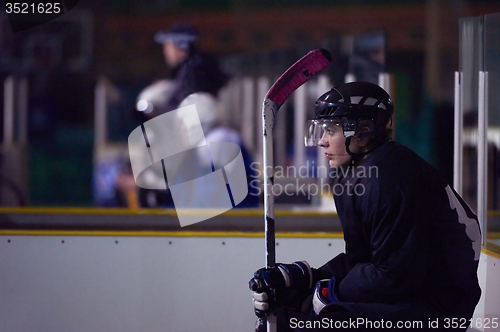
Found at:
(191, 70)
(412, 244)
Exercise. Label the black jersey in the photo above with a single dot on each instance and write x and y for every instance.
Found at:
(412, 244)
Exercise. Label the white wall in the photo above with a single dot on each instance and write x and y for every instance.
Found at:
(126, 284)
(138, 284)
(487, 315)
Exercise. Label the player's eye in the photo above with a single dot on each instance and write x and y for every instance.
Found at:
(331, 128)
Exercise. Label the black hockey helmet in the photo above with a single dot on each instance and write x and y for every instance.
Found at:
(352, 105)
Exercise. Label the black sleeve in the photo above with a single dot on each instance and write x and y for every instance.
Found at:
(338, 267)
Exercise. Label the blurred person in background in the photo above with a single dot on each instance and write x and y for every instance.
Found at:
(191, 70)
(195, 78)
(210, 112)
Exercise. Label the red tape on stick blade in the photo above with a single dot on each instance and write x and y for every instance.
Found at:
(299, 73)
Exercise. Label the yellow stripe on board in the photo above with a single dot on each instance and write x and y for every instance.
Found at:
(493, 235)
(494, 213)
(490, 253)
(138, 212)
(168, 234)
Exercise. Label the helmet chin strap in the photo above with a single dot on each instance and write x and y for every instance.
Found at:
(349, 128)
(356, 155)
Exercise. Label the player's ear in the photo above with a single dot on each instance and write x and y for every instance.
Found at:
(364, 136)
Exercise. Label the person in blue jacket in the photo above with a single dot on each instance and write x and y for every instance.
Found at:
(412, 244)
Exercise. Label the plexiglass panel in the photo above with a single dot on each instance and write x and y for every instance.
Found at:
(471, 49)
(492, 66)
(480, 57)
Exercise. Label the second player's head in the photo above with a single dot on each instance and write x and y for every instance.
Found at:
(178, 42)
(351, 120)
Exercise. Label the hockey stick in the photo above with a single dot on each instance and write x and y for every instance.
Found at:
(299, 73)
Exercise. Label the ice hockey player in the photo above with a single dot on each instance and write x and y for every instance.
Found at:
(412, 244)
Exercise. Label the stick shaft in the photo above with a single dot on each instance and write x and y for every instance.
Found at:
(295, 76)
(269, 111)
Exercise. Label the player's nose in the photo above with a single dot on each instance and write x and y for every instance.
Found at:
(323, 143)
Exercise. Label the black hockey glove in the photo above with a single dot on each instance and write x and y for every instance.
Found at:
(294, 276)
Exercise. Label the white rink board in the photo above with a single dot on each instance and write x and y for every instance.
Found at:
(173, 284)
